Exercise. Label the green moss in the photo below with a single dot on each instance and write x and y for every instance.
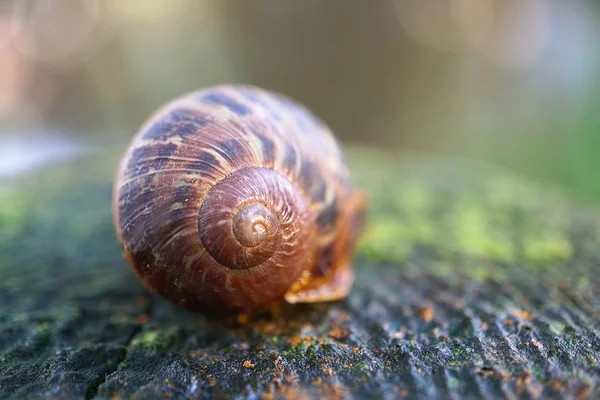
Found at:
(487, 226)
(150, 340)
(360, 367)
(305, 350)
(121, 318)
(398, 222)
(481, 272)
(384, 241)
(557, 327)
(461, 354)
(43, 328)
(311, 352)
(21, 317)
(592, 361)
(297, 351)
(546, 246)
(476, 236)
(582, 283)
(12, 202)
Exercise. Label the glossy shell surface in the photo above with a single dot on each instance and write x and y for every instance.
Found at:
(232, 197)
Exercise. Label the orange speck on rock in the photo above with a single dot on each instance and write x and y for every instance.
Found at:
(248, 364)
(427, 313)
(338, 333)
(522, 314)
(295, 340)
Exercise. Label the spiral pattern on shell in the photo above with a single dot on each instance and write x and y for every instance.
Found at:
(232, 197)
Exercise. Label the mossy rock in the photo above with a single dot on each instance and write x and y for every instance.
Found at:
(470, 283)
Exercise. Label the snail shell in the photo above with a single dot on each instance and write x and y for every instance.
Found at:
(232, 197)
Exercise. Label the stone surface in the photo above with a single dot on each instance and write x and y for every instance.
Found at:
(470, 283)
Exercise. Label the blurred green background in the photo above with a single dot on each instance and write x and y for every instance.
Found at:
(512, 82)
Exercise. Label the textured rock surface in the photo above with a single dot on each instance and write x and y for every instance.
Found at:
(469, 284)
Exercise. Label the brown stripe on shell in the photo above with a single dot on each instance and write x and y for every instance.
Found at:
(312, 181)
(225, 100)
(289, 159)
(268, 150)
(179, 122)
(146, 159)
(233, 150)
(261, 102)
(183, 194)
